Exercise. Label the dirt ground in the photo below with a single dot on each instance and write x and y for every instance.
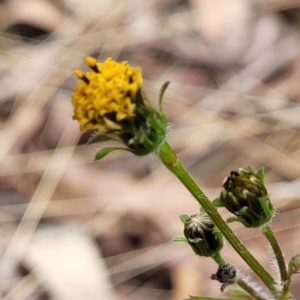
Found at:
(72, 228)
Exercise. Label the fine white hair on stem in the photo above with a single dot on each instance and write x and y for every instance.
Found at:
(275, 267)
(260, 290)
(273, 262)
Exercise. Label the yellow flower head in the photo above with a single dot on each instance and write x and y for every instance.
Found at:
(110, 89)
(110, 99)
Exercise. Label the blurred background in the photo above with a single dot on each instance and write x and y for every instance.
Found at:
(74, 229)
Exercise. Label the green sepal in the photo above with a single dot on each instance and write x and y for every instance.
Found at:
(294, 265)
(184, 218)
(249, 169)
(97, 138)
(217, 202)
(161, 95)
(158, 122)
(265, 203)
(103, 152)
(261, 174)
(235, 219)
(179, 238)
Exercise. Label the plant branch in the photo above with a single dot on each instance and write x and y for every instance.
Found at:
(268, 233)
(218, 258)
(238, 280)
(170, 160)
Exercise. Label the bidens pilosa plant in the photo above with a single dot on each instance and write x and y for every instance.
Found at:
(109, 99)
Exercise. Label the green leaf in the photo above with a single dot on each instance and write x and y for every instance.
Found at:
(161, 95)
(184, 218)
(209, 298)
(179, 238)
(217, 202)
(96, 138)
(265, 203)
(103, 152)
(238, 293)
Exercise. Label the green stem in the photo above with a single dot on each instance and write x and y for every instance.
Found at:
(286, 290)
(209, 298)
(268, 233)
(169, 159)
(218, 258)
(239, 281)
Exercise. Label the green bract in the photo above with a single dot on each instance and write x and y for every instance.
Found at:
(245, 195)
(110, 100)
(202, 235)
(142, 134)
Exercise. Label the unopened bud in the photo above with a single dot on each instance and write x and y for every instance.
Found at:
(245, 195)
(202, 235)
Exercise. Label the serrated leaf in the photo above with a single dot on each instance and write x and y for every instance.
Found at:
(178, 238)
(184, 218)
(161, 95)
(103, 152)
(96, 138)
(217, 202)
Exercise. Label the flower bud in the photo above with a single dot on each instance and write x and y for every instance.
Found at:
(294, 265)
(245, 195)
(202, 235)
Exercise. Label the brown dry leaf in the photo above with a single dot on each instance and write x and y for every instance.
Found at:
(68, 264)
(233, 101)
(217, 20)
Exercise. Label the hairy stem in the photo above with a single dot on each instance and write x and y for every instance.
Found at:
(218, 258)
(268, 233)
(169, 159)
(239, 281)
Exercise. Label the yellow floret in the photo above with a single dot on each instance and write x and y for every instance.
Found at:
(110, 88)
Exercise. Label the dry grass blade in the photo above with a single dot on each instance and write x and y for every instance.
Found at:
(233, 101)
